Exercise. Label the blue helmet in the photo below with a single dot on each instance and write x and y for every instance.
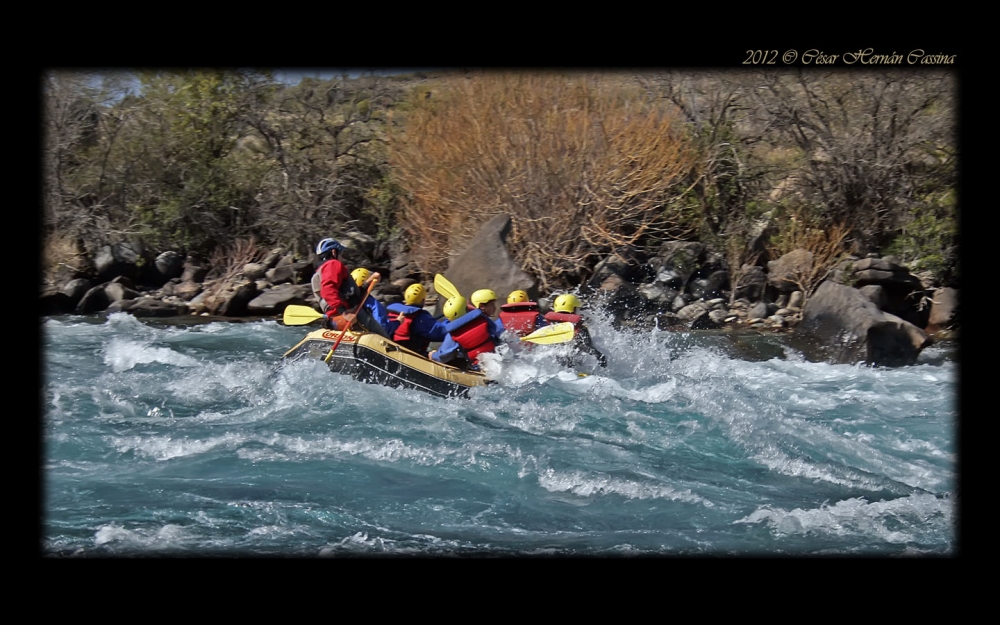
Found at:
(329, 244)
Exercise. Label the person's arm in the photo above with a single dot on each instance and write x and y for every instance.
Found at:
(585, 344)
(331, 278)
(425, 325)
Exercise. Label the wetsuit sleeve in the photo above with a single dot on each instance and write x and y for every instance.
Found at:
(332, 274)
(380, 313)
(498, 327)
(427, 327)
(540, 321)
(585, 344)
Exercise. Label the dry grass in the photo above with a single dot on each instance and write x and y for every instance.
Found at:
(227, 262)
(60, 254)
(583, 166)
(828, 245)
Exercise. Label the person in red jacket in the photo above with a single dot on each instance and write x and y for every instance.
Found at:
(338, 293)
(564, 309)
(520, 316)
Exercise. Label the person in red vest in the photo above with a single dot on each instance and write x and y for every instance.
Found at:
(520, 316)
(332, 283)
(415, 328)
(564, 309)
(469, 334)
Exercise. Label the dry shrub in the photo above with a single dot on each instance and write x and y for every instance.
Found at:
(62, 255)
(582, 166)
(227, 262)
(828, 244)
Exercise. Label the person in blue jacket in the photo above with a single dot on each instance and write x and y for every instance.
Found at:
(413, 327)
(470, 333)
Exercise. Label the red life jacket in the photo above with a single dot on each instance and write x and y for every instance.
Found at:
(558, 317)
(404, 337)
(474, 337)
(519, 318)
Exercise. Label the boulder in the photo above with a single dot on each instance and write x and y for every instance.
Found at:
(944, 310)
(486, 264)
(116, 291)
(75, 290)
(841, 325)
(751, 283)
(254, 271)
(55, 302)
(120, 259)
(786, 273)
(94, 300)
(194, 270)
(148, 307)
(166, 267)
(274, 300)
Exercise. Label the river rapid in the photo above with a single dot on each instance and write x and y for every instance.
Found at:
(186, 437)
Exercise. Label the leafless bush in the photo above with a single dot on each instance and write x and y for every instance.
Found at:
(828, 245)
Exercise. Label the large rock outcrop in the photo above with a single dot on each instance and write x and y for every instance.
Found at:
(486, 264)
(841, 325)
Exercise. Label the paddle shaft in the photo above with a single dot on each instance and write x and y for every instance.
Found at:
(356, 311)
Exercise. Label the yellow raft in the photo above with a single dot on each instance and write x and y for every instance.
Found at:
(375, 359)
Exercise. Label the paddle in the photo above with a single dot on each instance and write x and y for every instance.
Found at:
(445, 288)
(356, 311)
(300, 315)
(555, 333)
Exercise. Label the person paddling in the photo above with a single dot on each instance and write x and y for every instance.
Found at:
(337, 292)
(521, 316)
(413, 327)
(469, 334)
(372, 306)
(565, 309)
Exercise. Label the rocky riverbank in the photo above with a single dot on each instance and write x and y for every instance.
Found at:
(868, 310)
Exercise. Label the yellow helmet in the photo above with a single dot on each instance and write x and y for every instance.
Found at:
(454, 307)
(566, 303)
(360, 275)
(482, 296)
(516, 297)
(414, 295)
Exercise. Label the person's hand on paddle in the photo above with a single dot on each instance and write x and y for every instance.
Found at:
(349, 318)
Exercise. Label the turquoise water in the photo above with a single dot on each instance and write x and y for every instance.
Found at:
(185, 438)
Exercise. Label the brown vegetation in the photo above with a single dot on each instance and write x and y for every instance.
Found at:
(583, 168)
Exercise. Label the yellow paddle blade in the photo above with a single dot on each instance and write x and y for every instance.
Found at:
(555, 333)
(300, 315)
(444, 288)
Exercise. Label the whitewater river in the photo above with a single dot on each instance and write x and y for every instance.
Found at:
(168, 437)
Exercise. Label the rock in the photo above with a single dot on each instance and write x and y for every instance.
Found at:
(795, 299)
(148, 307)
(233, 301)
(944, 310)
(55, 302)
(875, 293)
(273, 301)
(120, 259)
(842, 326)
(94, 300)
(194, 270)
(758, 311)
(187, 290)
(75, 289)
(116, 291)
(486, 264)
(751, 283)
(254, 271)
(786, 273)
(290, 270)
(167, 266)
